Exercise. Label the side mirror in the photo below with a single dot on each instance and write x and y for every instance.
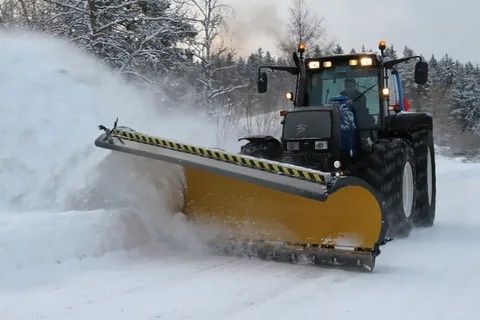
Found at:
(421, 72)
(262, 82)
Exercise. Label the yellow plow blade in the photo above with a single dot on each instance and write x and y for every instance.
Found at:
(275, 205)
(350, 217)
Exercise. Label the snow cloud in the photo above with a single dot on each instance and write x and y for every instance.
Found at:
(427, 26)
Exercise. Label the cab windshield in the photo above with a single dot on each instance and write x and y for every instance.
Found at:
(360, 85)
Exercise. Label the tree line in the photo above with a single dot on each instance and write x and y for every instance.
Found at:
(177, 48)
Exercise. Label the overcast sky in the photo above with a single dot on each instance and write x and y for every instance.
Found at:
(427, 26)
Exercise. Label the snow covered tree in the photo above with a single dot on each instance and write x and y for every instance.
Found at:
(218, 84)
(411, 90)
(466, 99)
(261, 115)
(140, 38)
(408, 52)
(213, 62)
(444, 74)
(7, 12)
(23, 14)
(433, 72)
(390, 52)
(447, 71)
(338, 49)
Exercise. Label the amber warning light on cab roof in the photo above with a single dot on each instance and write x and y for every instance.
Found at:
(382, 45)
(301, 47)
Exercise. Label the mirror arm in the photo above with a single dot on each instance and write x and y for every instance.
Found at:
(390, 64)
(291, 70)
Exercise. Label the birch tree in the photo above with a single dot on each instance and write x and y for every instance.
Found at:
(304, 26)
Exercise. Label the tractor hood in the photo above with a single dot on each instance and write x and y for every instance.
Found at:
(308, 123)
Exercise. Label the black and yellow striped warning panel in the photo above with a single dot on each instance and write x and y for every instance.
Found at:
(255, 163)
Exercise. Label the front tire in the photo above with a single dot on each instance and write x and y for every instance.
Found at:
(393, 174)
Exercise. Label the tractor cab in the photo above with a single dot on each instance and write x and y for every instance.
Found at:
(342, 103)
(370, 81)
(356, 78)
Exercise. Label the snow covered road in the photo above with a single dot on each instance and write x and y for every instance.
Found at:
(81, 239)
(431, 275)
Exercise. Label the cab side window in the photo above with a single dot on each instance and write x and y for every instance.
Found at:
(393, 86)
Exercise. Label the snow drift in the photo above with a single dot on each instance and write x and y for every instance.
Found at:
(60, 197)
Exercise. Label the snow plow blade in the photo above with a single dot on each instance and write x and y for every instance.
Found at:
(269, 209)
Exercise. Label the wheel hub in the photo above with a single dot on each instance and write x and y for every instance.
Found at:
(429, 176)
(407, 189)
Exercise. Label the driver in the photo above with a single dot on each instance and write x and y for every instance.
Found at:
(359, 103)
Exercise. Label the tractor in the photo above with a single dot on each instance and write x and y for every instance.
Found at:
(349, 118)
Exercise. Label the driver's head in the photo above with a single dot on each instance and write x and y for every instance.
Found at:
(350, 86)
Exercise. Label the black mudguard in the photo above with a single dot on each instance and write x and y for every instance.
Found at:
(406, 124)
(259, 138)
(266, 147)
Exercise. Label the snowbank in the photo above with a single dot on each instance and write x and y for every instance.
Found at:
(60, 196)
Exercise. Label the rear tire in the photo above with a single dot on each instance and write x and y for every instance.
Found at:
(424, 214)
(392, 173)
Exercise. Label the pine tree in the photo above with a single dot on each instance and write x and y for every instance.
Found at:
(338, 49)
(447, 71)
(466, 99)
(408, 52)
(406, 71)
(390, 52)
(315, 53)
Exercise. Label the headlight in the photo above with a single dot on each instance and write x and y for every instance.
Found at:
(314, 65)
(293, 145)
(366, 61)
(327, 64)
(321, 145)
(353, 62)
